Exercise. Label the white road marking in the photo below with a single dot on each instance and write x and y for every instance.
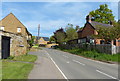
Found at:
(57, 66)
(106, 74)
(65, 56)
(68, 62)
(78, 62)
(94, 60)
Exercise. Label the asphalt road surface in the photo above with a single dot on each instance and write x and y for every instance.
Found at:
(76, 67)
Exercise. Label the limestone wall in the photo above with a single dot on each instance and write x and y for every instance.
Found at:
(18, 43)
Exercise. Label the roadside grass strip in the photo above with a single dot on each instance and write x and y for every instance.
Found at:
(95, 55)
(0, 70)
(12, 69)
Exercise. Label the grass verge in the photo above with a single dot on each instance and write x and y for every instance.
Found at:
(17, 70)
(94, 55)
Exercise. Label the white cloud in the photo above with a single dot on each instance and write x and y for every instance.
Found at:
(72, 13)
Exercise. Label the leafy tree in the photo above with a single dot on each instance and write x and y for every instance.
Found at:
(108, 33)
(52, 39)
(116, 29)
(31, 41)
(102, 15)
(71, 32)
(60, 36)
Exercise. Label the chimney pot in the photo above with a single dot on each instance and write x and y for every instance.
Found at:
(88, 18)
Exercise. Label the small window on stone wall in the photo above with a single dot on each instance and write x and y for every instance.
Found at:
(118, 40)
(2, 28)
(18, 29)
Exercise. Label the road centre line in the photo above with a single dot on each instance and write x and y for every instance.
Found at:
(65, 56)
(106, 74)
(78, 62)
(57, 66)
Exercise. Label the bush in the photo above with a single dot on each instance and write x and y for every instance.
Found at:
(11, 57)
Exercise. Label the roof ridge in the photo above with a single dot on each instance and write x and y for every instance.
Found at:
(101, 23)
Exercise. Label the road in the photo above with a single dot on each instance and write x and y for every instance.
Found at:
(76, 67)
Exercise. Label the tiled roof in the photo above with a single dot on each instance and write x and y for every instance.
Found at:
(45, 38)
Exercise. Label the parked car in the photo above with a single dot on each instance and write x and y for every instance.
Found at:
(54, 46)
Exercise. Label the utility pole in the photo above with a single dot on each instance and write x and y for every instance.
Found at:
(38, 32)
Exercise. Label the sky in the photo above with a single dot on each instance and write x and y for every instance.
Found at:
(52, 15)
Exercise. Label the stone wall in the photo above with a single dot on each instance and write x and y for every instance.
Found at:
(103, 48)
(18, 43)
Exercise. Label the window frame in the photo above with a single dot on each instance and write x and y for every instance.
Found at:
(19, 29)
(2, 28)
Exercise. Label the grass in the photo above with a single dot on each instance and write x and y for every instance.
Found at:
(26, 58)
(17, 70)
(94, 55)
(35, 48)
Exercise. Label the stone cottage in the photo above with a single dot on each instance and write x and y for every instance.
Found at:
(14, 37)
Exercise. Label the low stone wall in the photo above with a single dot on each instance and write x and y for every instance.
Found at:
(103, 48)
(18, 43)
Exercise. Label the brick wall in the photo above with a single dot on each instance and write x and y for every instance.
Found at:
(88, 30)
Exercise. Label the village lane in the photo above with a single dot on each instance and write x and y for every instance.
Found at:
(69, 66)
(44, 67)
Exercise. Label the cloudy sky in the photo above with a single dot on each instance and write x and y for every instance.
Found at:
(52, 15)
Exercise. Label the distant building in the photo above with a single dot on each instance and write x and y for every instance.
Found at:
(43, 40)
(90, 28)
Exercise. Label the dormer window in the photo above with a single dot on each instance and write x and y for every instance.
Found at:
(2, 28)
(19, 29)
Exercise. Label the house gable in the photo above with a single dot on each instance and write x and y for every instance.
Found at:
(88, 30)
(42, 41)
(11, 23)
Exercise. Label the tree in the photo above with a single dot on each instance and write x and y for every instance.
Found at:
(116, 29)
(31, 41)
(71, 32)
(108, 33)
(52, 39)
(102, 15)
(60, 36)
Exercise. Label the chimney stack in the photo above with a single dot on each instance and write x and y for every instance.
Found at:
(88, 18)
(111, 23)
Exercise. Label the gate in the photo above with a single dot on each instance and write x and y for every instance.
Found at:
(5, 47)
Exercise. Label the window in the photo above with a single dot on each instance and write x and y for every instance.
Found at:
(102, 42)
(2, 28)
(118, 40)
(18, 29)
(79, 41)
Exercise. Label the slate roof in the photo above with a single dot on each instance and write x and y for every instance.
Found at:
(45, 38)
(97, 24)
